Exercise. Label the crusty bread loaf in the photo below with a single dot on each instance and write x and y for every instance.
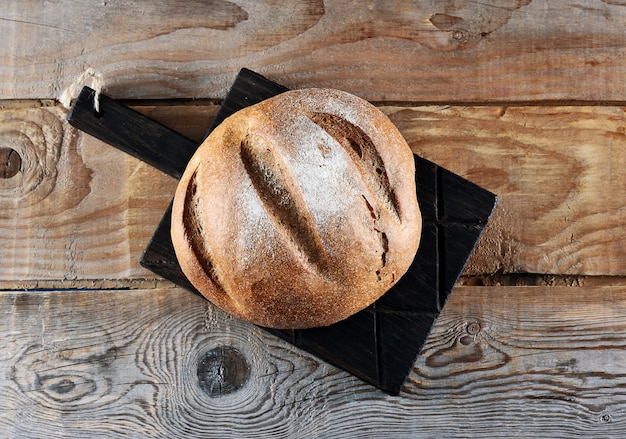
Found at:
(298, 211)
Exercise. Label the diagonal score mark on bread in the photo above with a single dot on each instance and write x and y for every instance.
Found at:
(363, 152)
(282, 199)
(306, 207)
(194, 229)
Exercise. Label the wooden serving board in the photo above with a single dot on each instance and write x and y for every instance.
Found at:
(379, 344)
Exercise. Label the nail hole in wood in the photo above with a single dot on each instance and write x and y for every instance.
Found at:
(10, 162)
(222, 370)
(460, 35)
(473, 328)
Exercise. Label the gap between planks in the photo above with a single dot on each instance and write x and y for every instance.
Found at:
(6, 104)
(493, 280)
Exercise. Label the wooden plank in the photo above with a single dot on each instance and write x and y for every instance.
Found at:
(500, 362)
(400, 50)
(558, 172)
(82, 213)
(79, 210)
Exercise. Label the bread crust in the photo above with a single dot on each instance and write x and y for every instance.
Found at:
(298, 211)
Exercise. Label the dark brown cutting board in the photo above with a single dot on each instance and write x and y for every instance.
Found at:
(379, 344)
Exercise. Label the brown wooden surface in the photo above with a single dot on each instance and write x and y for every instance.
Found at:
(86, 211)
(383, 50)
(525, 98)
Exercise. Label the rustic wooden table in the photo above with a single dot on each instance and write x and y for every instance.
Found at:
(524, 98)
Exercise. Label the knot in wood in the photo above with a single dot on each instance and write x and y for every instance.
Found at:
(64, 386)
(31, 141)
(10, 162)
(222, 370)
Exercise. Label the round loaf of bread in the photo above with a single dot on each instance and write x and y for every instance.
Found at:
(298, 211)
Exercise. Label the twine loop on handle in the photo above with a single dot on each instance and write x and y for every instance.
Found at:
(97, 83)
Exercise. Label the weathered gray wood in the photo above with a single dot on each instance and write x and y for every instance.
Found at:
(400, 50)
(500, 362)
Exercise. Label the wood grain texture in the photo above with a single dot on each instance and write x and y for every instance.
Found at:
(558, 172)
(80, 213)
(400, 50)
(78, 210)
(551, 353)
(95, 346)
(500, 362)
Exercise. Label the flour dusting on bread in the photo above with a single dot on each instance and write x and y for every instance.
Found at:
(309, 210)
